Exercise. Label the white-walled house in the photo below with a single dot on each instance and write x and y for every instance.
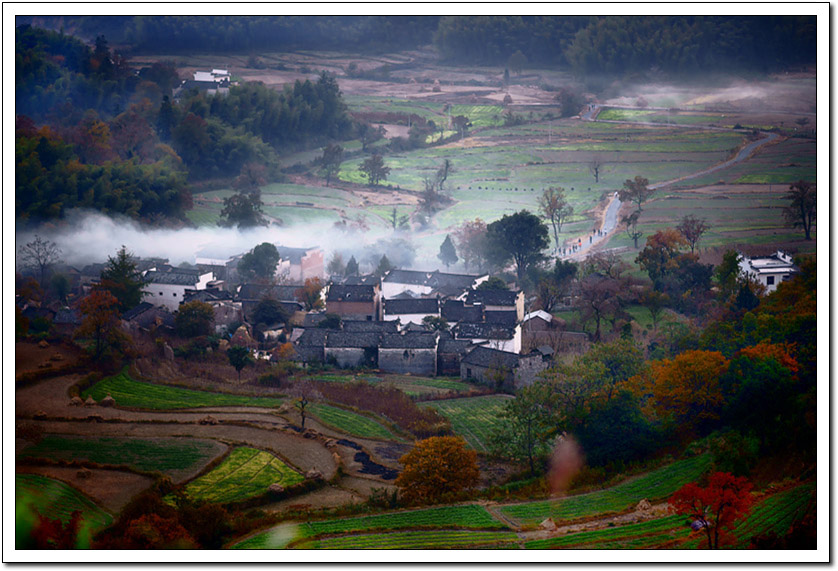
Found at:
(410, 310)
(167, 289)
(425, 284)
(768, 270)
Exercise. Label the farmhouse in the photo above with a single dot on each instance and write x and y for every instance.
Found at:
(352, 348)
(768, 270)
(502, 369)
(498, 300)
(168, 288)
(354, 301)
(427, 284)
(410, 310)
(300, 264)
(412, 352)
(498, 336)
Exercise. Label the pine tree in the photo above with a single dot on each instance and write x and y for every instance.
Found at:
(447, 253)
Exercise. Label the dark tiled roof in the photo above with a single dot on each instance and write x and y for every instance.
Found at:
(352, 339)
(277, 292)
(371, 326)
(313, 338)
(483, 331)
(175, 277)
(503, 318)
(93, 270)
(456, 311)
(454, 346)
(351, 293)
(206, 295)
(67, 316)
(486, 357)
(369, 279)
(434, 279)
(313, 319)
(295, 255)
(289, 307)
(414, 340)
(136, 310)
(492, 297)
(428, 306)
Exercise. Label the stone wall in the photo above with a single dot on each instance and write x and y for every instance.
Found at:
(402, 361)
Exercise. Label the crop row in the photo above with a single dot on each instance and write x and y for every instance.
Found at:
(415, 540)
(245, 473)
(649, 532)
(350, 422)
(775, 514)
(658, 484)
(56, 500)
(142, 454)
(130, 393)
(473, 418)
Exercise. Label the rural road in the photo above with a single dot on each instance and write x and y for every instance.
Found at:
(609, 219)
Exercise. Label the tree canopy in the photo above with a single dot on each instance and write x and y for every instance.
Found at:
(521, 237)
(437, 468)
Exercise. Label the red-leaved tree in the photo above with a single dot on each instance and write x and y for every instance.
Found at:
(725, 499)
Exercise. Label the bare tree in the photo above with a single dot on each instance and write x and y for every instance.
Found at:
(801, 211)
(39, 255)
(555, 208)
(303, 393)
(692, 228)
(595, 166)
(631, 226)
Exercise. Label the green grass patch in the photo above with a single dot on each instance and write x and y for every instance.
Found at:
(245, 473)
(350, 422)
(55, 500)
(444, 539)
(165, 455)
(659, 484)
(138, 394)
(473, 418)
(647, 534)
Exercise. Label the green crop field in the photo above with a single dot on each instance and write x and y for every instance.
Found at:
(655, 485)
(163, 454)
(473, 418)
(444, 539)
(245, 473)
(137, 394)
(351, 422)
(56, 500)
(631, 536)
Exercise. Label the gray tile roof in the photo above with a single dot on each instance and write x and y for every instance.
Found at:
(492, 297)
(352, 339)
(455, 311)
(434, 279)
(407, 306)
(313, 338)
(483, 331)
(362, 293)
(486, 357)
(413, 340)
(175, 277)
(503, 318)
(371, 326)
(277, 292)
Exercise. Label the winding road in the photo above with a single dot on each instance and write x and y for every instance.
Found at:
(609, 220)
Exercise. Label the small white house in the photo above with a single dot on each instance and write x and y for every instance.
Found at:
(768, 270)
(166, 289)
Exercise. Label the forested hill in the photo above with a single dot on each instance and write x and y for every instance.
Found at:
(586, 44)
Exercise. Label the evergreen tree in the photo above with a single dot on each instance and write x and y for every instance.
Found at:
(447, 253)
(351, 267)
(121, 277)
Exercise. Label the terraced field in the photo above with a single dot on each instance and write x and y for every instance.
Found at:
(164, 455)
(473, 418)
(245, 473)
(130, 393)
(655, 485)
(351, 422)
(56, 500)
(445, 539)
(642, 535)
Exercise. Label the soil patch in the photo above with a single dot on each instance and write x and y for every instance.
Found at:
(29, 356)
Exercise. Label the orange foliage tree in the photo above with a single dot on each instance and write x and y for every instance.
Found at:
(101, 321)
(309, 294)
(780, 352)
(437, 468)
(685, 390)
(716, 507)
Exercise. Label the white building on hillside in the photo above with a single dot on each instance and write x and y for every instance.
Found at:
(166, 289)
(768, 270)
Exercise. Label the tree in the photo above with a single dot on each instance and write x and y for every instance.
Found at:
(122, 279)
(251, 177)
(243, 210)
(494, 283)
(374, 169)
(61, 286)
(461, 123)
(398, 222)
(351, 267)
(521, 237)
(527, 430)
(435, 323)
(621, 359)
(716, 507)
(239, 358)
(555, 208)
(383, 267)
(331, 160)
(692, 228)
(100, 321)
(336, 267)
(259, 263)
(655, 302)
(369, 135)
(552, 286)
(801, 210)
(661, 256)
(437, 468)
(636, 191)
(447, 254)
(194, 318)
(269, 312)
(599, 300)
(595, 165)
(39, 255)
(309, 294)
(516, 62)
(470, 238)
(727, 275)
(570, 102)
(303, 393)
(631, 226)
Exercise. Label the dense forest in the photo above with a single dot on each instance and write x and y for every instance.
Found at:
(92, 133)
(586, 44)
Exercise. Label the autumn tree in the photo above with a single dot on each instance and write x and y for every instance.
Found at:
(309, 294)
(692, 229)
(716, 507)
(662, 254)
(121, 278)
(39, 255)
(374, 169)
(635, 190)
(251, 178)
(554, 207)
(259, 263)
(436, 469)
(331, 160)
(553, 285)
(194, 318)
(447, 253)
(801, 211)
(239, 358)
(100, 321)
(470, 238)
(521, 237)
(604, 290)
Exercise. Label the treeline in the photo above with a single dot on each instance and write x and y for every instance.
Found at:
(630, 44)
(93, 134)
